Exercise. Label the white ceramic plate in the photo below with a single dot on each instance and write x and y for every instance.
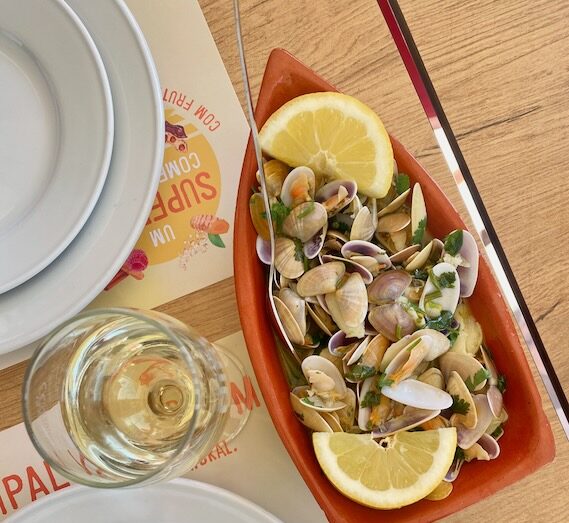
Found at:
(67, 285)
(179, 501)
(56, 133)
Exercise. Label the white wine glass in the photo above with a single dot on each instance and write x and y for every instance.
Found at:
(122, 397)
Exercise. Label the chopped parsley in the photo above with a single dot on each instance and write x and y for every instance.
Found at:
(459, 406)
(308, 208)
(371, 399)
(473, 381)
(446, 280)
(339, 226)
(419, 232)
(459, 454)
(497, 432)
(442, 323)
(307, 400)
(501, 383)
(453, 242)
(402, 183)
(279, 212)
(421, 274)
(360, 372)
(452, 336)
(384, 381)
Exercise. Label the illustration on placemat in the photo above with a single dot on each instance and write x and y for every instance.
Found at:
(134, 266)
(176, 136)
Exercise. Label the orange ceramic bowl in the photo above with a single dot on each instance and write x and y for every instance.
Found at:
(527, 443)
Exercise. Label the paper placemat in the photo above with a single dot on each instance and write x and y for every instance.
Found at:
(254, 465)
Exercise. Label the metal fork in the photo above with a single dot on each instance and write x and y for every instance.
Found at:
(259, 156)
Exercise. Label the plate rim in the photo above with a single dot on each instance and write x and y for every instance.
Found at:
(197, 486)
(43, 257)
(96, 285)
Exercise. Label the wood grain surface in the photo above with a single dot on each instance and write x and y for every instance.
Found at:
(502, 73)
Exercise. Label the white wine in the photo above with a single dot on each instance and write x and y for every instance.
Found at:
(130, 400)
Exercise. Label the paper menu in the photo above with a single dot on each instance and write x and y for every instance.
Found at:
(254, 465)
(187, 243)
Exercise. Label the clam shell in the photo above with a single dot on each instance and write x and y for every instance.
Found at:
(362, 248)
(296, 305)
(391, 320)
(420, 259)
(433, 377)
(393, 350)
(321, 318)
(330, 190)
(375, 351)
(275, 174)
(417, 394)
(393, 223)
(347, 414)
(405, 254)
(348, 305)
(448, 300)
(442, 491)
(357, 354)
(399, 240)
(298, 187)
(291, 327)
(456, 388)
(490, 445)
(470, 333)
(388, 286)
(305, 221)
(263, 248)
(308, 416)
(469, 274)
(439, 343)
(332, 419)
(418, 210)
(468, 437)
(411, 418)
(318, 363)
(338, 343)
(285, 259)
(437, 250)
(369, 263)
(363, 226)
(466, 366)
(258, 215)
(395, 204)
(312, 247)
(321, 279)
(351, 266)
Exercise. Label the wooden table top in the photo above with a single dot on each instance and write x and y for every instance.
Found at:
(501, 70)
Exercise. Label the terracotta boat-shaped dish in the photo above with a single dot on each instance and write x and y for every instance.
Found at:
(528, 441)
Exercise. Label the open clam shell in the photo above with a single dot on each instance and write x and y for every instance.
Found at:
(336, 195)
(290, 326)
(388, 286)
(313, 246)
(263, 248)
(433, 377)
(395, 204)
(460, 393)
(420, 259)
(490, 445)
(351, 266)
(323, 376)
(296, 305)
(275, 174)
(468, 437)
(411, 418)
(417, 394)
(470, 332)
(392, 223)
(469, 271)
(391, 320)
(405, 254)
(286, 261)
(298, 187)
(467, 367)
(418, 215)
(348, 305)
(305, 221)
(321, 279)
(448, 299)
(308, 416)
(363, 226)
(321, 318)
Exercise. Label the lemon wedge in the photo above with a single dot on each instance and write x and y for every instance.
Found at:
(335, 135)
(397, 471)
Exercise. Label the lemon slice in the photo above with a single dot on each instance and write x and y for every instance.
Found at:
(336, 136)
(395, 472)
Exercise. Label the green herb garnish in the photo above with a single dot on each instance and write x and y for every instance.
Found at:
(371, 399)
(419, 232)
(402, 183)
(279, 212)
(501, 383)
(360, 372)
(433, 295)
(398, 332)
(459, 454)
(421, 274)
(452, 336)
(453, 242)
(459, 405)
(413, 344)
(384, 381)
(446, 280)
(340, 226)
(497, 432)
(441, 323)
(480, 376)
(308, 208)
(307, 400)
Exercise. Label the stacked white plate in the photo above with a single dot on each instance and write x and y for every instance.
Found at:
(81, 144)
